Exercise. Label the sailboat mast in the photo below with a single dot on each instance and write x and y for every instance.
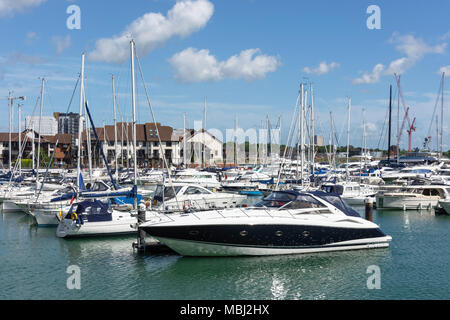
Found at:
(442, 116)
(128, 145)
(398, 121)
(133, 101)
(301, 131)
(235, 141)
(184, 141)
(332, 146)
(121, 142)
(303, 134)
(115, 130)
(363, 148)
(313, 137)
(204, 137)
(19, 158)
(390, 125)
(10, 102)
(33, 146)
(88, 142)
(348, 133)
(39, 132)
(80, 122)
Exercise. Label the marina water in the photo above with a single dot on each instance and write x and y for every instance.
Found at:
(33, 265)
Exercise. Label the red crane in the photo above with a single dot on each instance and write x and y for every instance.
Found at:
(411, 126)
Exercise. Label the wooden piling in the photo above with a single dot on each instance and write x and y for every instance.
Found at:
(369, 209)
(141, 233)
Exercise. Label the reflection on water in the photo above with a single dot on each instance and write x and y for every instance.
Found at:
(34, 264)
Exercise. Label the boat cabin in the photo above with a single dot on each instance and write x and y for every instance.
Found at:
(91, 211)
(292, 200)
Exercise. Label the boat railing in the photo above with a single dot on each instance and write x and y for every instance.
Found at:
(244, 214)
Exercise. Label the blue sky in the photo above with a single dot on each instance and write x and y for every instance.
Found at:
(246, 56)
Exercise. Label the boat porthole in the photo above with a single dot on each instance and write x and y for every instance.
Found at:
(194, 233)
(279, 233)
(306, 234)
(244, 233)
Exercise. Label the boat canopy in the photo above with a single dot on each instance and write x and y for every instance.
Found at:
(336, 201)
(92, 207)
(281, 198)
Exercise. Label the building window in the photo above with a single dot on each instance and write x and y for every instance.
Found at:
(168, 144)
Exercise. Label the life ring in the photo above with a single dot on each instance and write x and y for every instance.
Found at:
(74, 216)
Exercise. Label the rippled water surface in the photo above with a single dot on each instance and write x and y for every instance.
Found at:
(33, 265)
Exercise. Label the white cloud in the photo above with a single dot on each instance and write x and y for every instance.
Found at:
(20, 58)
(154, 29)
(8, 7)
(371, 127)
(445, 69)
(371, 77)
(323, 68)
(61, 43)
(414, 50)
(192, 65)
(446, 36)
(31, 37)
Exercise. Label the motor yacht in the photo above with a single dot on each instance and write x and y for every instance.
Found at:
(286, 222)
(409, 173)
(412, 197)
(203, 178)
(353, 193)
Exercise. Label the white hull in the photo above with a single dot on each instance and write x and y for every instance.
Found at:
(48, 218)
(9, 206)
(69, 228)
(199, 249)
(355, 201)
(405, 203)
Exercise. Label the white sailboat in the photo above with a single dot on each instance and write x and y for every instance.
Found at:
(95, 217)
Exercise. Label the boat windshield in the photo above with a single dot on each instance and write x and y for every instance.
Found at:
(337, 201)
(275, 200)
(166, 192)
(65, 191)
(286, 201)
(304, 202)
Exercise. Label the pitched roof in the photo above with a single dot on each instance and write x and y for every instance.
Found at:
(144, 132)
(63, 138)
